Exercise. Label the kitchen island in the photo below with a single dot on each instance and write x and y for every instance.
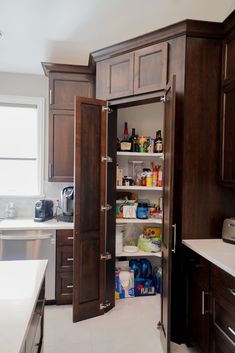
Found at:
(21, 305)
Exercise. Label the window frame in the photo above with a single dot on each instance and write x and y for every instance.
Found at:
(39, 102)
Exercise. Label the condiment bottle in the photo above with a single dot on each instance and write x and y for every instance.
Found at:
(159, 181)
(154, 181)
(149, 179)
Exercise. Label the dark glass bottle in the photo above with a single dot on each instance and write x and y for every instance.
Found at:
(125, 133)
(125, 144)
(134, 141)
(158, 145)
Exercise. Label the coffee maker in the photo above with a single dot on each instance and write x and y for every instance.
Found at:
(66, 201)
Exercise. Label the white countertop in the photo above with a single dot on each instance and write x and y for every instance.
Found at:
(20, 285)
(216, 251)
(21, 223)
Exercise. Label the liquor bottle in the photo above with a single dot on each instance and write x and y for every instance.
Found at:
(134, 141)
(158, 142)
(125, 143)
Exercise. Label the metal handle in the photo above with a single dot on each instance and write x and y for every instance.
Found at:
(70, 238)
(106, 159)
(25, 237)
(203, 302)
(231, 330)
(232, 291)
(50, 96)
(69, 286)
(69, 258)
(174, 238)
(50, 169)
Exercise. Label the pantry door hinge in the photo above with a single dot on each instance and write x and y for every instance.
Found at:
(106, 159)
(105, 305)
(163, 98)
(107, 109)
(106, 257)
(106, 207)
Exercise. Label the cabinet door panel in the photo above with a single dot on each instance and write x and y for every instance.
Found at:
(90, 191)
(64, 88)
(150, 69)
(61, 146)
(169, 134)
(64, 258)
(115, 77)
(228, 135)
(64, 237)
(229, 55)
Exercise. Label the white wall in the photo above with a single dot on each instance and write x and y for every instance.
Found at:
(33, 86)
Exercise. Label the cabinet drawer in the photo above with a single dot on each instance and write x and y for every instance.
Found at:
(223, 283)
(198, 269)
(224, 316)
(220, 343)
(64, 258)
(64, 237)
(64, 287)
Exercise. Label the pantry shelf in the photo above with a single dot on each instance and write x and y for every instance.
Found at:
(140, 154)
(139, 253)
(136, 187)
(136, 220)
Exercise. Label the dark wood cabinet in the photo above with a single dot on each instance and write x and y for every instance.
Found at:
(65, 82)
(64, 266)
(138, 72)
(150, 68)
(198, 290)
(210, 306)
(222, 311)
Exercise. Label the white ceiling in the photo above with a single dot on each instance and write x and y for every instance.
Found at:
(66, 31)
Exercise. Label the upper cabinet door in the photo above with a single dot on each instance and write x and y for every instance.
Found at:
(150, 69)
(115, 77)
(228, 135)
(64, 87)
(61, 145)
(168, 227)
(90, 198)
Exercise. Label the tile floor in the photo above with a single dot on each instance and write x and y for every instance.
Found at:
(128, 328)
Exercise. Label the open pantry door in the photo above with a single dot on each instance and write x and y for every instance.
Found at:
(90, 209)
(169, 229)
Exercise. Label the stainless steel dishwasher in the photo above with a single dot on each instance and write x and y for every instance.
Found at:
(31, 245)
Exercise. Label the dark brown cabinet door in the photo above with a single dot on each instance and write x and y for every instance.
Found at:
(115, 77)
(150, 69)
(169, 133)
(64, 87)
(89, 227)
(228, 135)
(61, 145)
(198, 308)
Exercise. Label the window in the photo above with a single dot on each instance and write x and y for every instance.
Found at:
(21, 146)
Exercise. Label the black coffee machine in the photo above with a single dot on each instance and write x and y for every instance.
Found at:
(66, 201)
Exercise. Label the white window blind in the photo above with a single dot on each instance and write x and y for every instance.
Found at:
(21, 142)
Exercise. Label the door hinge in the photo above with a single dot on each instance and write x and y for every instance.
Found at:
(106, 257)
(106, 159)
(163, 98)
(107, 109)
(106, 207)
(104, 305)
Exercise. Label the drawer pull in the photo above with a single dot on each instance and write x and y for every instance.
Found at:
(70, 259)
(231, 330)
(203, 302)
(232, 291)
(69, 286)
(70, 238)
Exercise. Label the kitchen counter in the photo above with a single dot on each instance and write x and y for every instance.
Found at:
(20, 285)
(216, 251)
(29, 224)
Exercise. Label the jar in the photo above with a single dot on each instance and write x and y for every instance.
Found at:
(135, 167)
(149, 179)
(142, 210)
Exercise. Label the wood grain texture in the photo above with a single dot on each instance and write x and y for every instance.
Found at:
(61, 145)
(89, 233)
(48, 68)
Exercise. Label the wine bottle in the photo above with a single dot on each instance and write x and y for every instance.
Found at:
(158, 145)
(134, 141)
(125, 143)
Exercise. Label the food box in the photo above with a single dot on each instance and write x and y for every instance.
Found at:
(145, 287)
